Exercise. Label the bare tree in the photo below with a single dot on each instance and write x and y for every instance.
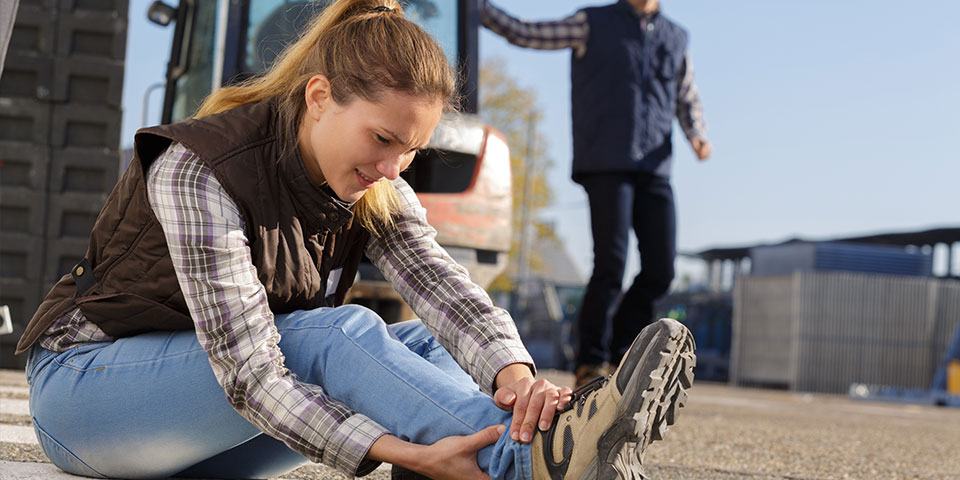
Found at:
(513, 110)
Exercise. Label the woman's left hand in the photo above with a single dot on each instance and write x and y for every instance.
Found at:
(534, 402)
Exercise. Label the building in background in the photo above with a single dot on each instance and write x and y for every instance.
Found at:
(822, 315)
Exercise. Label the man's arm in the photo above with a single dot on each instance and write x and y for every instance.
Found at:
(690, 110)
(571, 32)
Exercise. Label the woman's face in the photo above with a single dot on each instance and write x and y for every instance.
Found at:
(352, 146)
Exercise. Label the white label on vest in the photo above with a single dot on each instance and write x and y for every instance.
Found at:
(333, 279)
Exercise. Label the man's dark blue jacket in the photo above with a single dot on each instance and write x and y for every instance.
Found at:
(624, 92)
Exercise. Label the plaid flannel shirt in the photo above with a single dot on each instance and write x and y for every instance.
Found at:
(205, 236)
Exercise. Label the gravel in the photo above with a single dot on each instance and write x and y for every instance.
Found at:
(21, 452)
(735, 433)
(790, 435)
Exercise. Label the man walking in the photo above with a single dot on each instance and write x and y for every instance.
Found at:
(630, 75)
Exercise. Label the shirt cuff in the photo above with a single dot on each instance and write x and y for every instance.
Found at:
(356, 436)
(696, 133)
(499, 358)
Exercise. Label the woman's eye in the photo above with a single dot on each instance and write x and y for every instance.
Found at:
(382, 139)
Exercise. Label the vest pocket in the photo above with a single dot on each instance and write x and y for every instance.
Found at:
(127, 314)
(668, 64)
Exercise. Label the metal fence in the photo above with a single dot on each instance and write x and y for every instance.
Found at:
(822, 331)
(709, 316)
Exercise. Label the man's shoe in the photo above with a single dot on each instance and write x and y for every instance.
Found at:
(604, 430)
(587, 373)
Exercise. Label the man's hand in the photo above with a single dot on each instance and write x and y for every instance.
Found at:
(534, 402)
(702, 148)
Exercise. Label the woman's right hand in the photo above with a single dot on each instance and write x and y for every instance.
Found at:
(455, 458)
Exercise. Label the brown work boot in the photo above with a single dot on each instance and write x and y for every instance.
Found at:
(603, 431)
(587, 373)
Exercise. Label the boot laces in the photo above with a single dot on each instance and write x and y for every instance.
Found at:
(583, 391)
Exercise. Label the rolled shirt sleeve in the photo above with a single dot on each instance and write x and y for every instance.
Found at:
(689, 108)
(481, 336)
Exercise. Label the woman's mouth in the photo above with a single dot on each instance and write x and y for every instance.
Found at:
(365, 181)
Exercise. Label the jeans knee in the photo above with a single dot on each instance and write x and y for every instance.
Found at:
(356, 319)
(655, 279)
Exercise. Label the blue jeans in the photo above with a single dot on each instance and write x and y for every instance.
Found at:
(619, 202)
(149, 406)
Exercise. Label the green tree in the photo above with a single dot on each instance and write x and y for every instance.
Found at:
(514, 111)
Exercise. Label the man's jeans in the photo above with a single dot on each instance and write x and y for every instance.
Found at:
(619, 202)
(149, 406)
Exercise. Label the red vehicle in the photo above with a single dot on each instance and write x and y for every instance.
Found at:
(463, 178)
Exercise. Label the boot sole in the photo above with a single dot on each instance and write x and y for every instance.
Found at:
(654, 394)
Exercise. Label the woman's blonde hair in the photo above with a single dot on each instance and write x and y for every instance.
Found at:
(364, 48)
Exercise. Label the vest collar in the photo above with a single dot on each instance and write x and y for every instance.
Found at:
(316, 208)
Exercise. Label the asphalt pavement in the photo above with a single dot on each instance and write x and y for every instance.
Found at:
(724, 433)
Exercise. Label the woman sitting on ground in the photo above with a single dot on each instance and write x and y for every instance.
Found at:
(203, 334)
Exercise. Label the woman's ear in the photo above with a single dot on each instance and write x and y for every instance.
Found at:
(317, 95)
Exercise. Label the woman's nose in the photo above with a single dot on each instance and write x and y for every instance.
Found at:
(390, 167)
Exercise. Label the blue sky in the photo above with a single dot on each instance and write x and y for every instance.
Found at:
(827, 118)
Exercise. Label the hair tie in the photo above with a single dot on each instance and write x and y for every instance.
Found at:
(382, 8)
